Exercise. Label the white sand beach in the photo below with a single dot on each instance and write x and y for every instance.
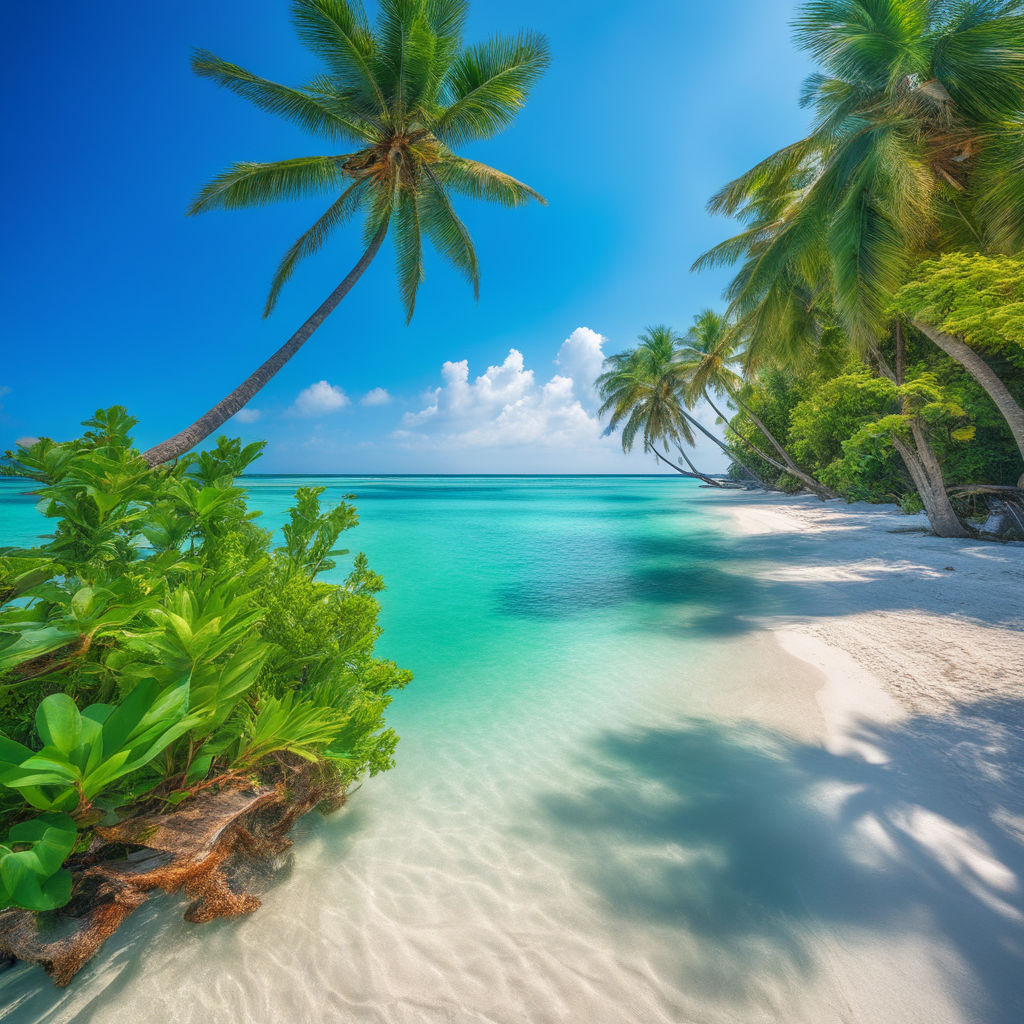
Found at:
(923, 637)
(789, 792)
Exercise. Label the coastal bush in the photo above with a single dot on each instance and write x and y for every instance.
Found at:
(974, 297)
(156, 646)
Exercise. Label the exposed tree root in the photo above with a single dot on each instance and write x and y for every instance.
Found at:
(199, 849)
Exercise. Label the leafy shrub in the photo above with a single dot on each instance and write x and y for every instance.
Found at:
(156, 646)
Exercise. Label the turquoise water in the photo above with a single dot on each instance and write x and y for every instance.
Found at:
(614, 800)
(498, 586)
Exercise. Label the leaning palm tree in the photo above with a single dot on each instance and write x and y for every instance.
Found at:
(399, 99)
(643, 391)
(917, 148)
(709, 357)
(640, 389)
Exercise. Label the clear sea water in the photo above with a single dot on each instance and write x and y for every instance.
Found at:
(612, 802)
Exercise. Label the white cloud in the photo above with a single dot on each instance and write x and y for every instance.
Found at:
(320, 398)
(582, 357)
(376, 396)
(248, 415)
(504, 407)
(26, 442)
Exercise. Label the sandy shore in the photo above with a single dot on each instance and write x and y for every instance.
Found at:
(923, 638)
(929, 623)
(714, 759)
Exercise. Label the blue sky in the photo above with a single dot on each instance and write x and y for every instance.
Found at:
(111, 295)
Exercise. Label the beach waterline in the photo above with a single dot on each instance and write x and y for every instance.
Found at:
(616, 799)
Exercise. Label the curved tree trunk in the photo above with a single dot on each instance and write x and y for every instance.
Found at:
(985, 376)
(188, 438)
(926, 473)
(695, 473)
(721, 444)
(812, 485)
(750, 444)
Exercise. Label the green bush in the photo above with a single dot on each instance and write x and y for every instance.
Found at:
(156, 645)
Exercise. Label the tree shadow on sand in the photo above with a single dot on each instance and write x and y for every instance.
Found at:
(751, 844)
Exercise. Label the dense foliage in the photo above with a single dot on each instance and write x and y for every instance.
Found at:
(156, 646)
(832, 416)
(895, 225)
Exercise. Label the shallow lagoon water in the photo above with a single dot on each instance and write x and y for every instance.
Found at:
(612, 800)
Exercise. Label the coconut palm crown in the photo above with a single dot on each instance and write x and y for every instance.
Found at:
(397, 99)
(916, 147)
(709, 354)
(642, 391)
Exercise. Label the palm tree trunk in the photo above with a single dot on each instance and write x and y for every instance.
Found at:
(694, 475)
(820, 490)
(750, 444)
(721, 444)
(985, 376)
(926, 473)
(696, 472)
(188, 438)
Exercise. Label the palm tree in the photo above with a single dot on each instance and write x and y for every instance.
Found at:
(643, 391)
(917, 147)
(708, 357)
(402, 96)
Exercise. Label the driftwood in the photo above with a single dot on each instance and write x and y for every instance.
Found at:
(198, 849)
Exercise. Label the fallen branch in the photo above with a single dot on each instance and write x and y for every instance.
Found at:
(198, 849)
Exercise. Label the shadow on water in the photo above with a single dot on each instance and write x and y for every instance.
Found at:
(711, 583)
(751, 844)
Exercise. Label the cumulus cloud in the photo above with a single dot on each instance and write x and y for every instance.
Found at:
(376, 396)
(248, 415)
(320, 398)
(581, 357)
(26, 442)
(507, 407)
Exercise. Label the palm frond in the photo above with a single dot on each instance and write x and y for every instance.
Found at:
(338, 32)
(762, 177)
(478, 181)
(295, 105)
(447, 232)
(488, 85)
(410, 63)
(1000, 189)
(249, 184)
(879, 40)
(978, 56)
(408, 249)
(726, 253)
(310, 241)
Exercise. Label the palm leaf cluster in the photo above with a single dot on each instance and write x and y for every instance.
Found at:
(644, 393)
(916, 147)
(397, 99)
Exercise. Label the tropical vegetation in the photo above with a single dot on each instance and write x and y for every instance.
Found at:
(158, 646)
(400, 99)
(872, 342)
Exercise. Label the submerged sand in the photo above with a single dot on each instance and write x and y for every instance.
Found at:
(811, 815)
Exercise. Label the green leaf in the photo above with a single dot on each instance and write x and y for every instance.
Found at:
(59, 723)
(34, 879)
(119, 724)
(199, 768)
